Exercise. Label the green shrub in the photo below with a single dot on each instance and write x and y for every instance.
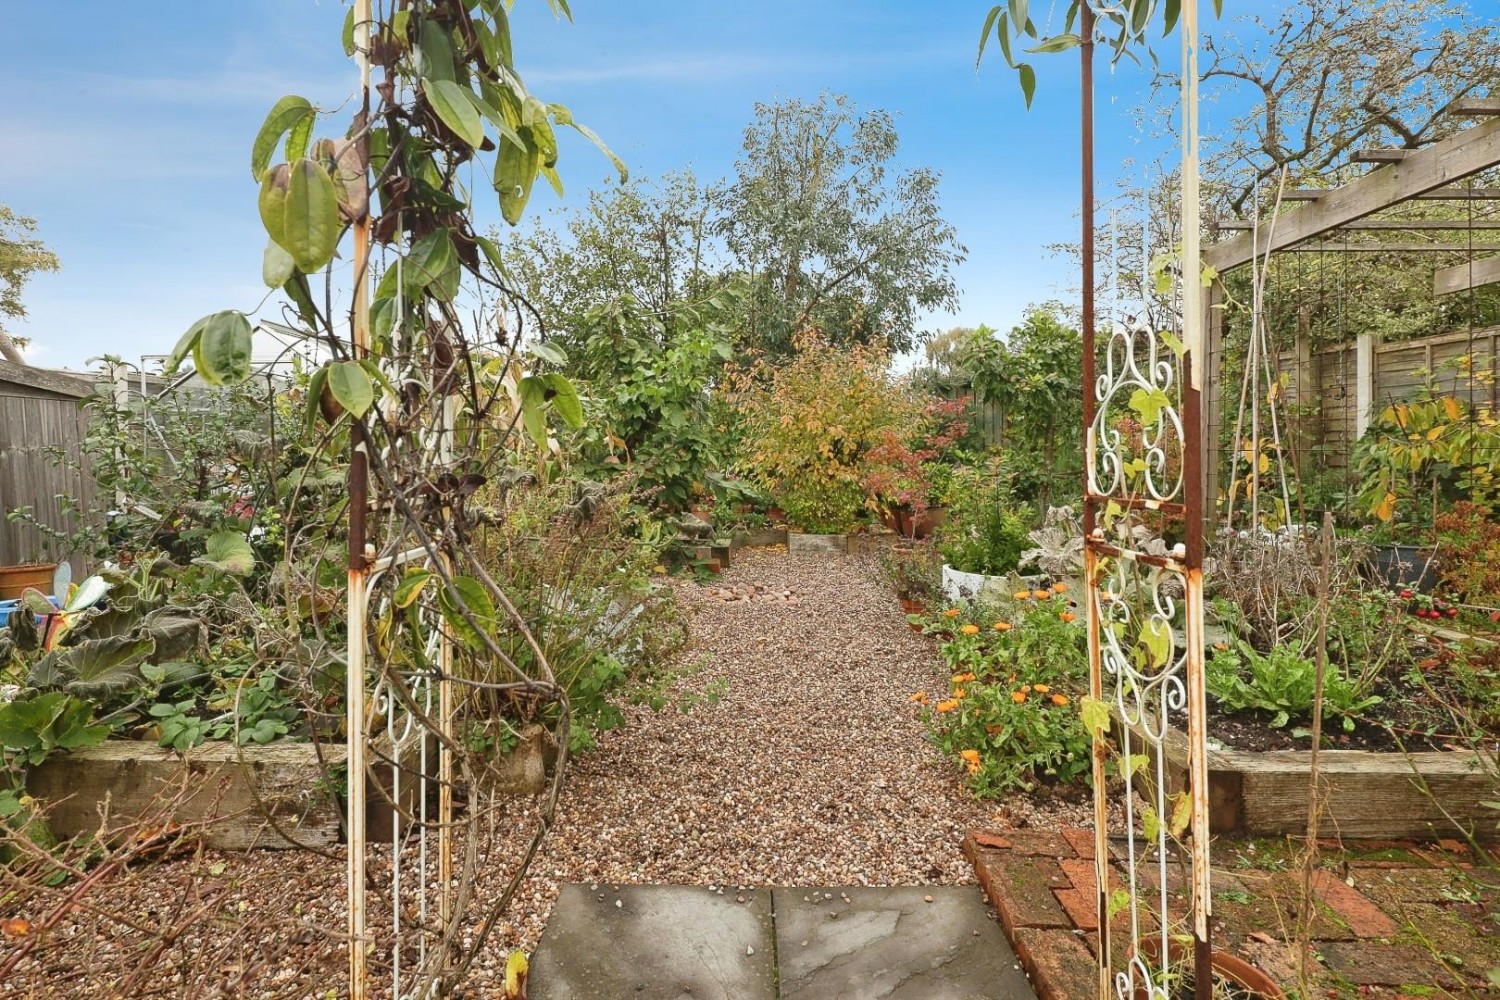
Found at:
(985, 531)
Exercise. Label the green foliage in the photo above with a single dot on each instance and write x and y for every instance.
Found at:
(1280, 683)
(832, 238)
(985, 530)
(648, 378)
(809, 426)
(1011, 715)
(1123, 26)
(1423, 451)
(578, 559)
(33, 727)
(22, 255)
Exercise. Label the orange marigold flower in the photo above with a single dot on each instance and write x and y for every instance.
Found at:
(1221, 646)
(1041, 595)
(15, 927)
(1003, 626)
(946, 706)
(970, 629)
(919, 697)
(1059, 588)
(1019, 697)
(951, 613)
(994, 730)
(1059, 699)
(974, 769)
(971, 756)
(962, 678)
(1066, 616)
(1040, 688)
(960, 693)
(1021, 595)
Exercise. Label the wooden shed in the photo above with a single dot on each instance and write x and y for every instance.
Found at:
(42, 427)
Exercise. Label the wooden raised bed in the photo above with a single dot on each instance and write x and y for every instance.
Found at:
(758, 539)
(231, 790)
(1366, 794)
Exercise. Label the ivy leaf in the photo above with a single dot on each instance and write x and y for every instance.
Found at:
(310, 224)
(565, 399)
(228, 552)
(276, 265)
(222, 350)
(454, 104)
(287, 115)
(1148, 404)
(351, 386)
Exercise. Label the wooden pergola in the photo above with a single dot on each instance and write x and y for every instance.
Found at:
(1431, 173)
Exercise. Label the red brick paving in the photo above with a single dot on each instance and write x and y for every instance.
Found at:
(1043, 885)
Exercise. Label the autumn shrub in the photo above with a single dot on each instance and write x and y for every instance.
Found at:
(1010, 714)
(1470, 564)
(809, 426)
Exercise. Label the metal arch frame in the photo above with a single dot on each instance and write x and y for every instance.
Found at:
(1136, 591)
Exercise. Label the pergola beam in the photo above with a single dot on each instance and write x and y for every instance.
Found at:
(1391, 225)
(1441, 194)
(1436, 166)
(1476, 107)
(1392, 248)
(1463, 277)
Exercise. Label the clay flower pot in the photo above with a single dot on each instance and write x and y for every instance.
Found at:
(14, 580)
(1229, 968)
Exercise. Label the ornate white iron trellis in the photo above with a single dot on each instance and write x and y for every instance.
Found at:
(1143, 567)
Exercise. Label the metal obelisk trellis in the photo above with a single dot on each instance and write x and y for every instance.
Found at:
(391, 719)
(1143, 567)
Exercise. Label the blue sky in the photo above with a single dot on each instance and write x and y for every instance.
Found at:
(127, 129)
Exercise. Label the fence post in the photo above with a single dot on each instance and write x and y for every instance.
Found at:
(1364, 383)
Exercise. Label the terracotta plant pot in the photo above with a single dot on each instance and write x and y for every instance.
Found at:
(912, 607)
(1227, 967)
(15, 580)
(922, 525)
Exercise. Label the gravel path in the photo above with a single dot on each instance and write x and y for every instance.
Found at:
(811, 768)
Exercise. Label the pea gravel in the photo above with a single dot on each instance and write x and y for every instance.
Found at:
(800, 762)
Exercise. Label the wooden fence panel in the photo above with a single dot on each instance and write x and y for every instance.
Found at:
(42, 429)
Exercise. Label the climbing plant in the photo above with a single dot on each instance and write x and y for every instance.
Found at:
(425, 383)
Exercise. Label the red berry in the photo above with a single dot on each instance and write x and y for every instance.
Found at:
(1452, 612)
(1406, 594)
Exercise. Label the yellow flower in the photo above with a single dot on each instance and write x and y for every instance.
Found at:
(969, 756)
(1019, 697)
(960, 693)
(1040, 688)
(920, 697)
(1059, 588)
(1002, 626)
(951, 613)
(970, 629)
(962, 678)
(1040, 595)
(1059, 699)
(944, 707)
(974, 768)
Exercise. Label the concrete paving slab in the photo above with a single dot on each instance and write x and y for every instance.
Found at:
(891, 944)
(656, 942)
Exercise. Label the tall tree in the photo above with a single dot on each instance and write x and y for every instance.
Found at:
(829, 234)
(1325, 78)
(21, 256)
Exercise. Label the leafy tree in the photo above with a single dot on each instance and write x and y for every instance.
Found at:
(21, 256)
(1329, 77)
(829, 235)
(649, 375)
(649, 242)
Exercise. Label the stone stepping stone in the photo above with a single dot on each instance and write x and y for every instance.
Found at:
(656, 942)
(901, 943)
(662, 942)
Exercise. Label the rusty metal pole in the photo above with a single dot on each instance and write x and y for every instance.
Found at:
(1194, 341)
(1090, 513)
(359, 483)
